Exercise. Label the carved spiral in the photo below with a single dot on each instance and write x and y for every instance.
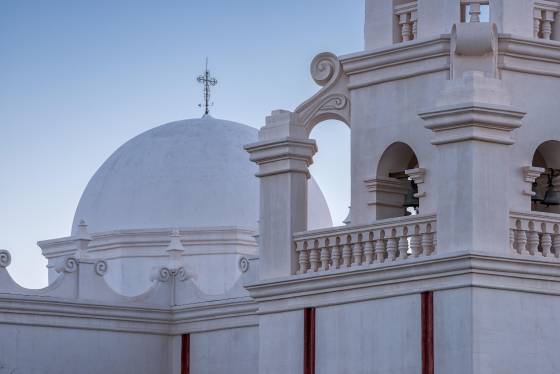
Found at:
(5, 258)
(101, 268)
(70, 265)
(164, 275)
(244, 264)
(182, 274)
(324, 68)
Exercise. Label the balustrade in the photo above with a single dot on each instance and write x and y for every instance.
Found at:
(385, 241)
(544, 17)
(535, 234)
(407, 21)
(472, 9)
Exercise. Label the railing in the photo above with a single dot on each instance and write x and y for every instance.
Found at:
(407, 21)
(535, 234)
(471, 10)
(384, 241)
(544, 17)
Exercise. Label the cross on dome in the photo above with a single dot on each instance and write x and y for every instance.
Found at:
(208, 81)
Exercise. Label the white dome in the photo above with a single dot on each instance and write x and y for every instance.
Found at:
(190, 173)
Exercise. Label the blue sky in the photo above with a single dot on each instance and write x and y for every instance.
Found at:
(78, 78)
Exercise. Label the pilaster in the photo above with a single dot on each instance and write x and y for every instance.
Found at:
(283, 156)
(473, 126)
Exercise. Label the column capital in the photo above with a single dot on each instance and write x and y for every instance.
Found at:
(475, 107)
(283, 155)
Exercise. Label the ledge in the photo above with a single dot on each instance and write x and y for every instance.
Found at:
(437, 273)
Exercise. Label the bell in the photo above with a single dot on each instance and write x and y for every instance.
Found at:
(410, 200)
(538, 196)
(552, 197)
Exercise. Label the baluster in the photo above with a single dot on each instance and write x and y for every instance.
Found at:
(532, 240)
(303, 258)
(392, 247)
(556, 241)
(537, 20)
(414, 19)
(380, 247)
(368, 250)
(434, 241)
(325, 256)
(546, 244)
(358, 251)
(336, 255)
(406, 30)
(347, 254)
(512, 239)
(474, 12)
(403, 244)
(415, 243)
(547, 24)
(521, 240)
(426, 243)
(314, 257)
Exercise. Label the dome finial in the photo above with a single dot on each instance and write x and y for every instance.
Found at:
(208, 81)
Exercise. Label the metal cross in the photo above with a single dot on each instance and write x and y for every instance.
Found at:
(208, 81)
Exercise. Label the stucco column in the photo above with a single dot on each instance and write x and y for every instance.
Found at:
(473, 125)
(283, 154)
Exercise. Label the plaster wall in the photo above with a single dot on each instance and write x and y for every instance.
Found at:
(515, 332)
(233, 351)
(532, 94)
(453, 331)
(381, 115)
(131, 275)
(48, 350)
(385, 336)
(281, 343)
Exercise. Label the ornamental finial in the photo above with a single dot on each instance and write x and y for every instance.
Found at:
(208, 81)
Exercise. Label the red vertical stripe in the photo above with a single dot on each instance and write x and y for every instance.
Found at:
(428, 333)
(309, 341)
(185, 354)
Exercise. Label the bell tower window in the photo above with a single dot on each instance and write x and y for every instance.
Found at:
(475, 11)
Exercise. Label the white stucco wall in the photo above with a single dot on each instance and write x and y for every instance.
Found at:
(47, 350)
(233, 351)
(373, 337)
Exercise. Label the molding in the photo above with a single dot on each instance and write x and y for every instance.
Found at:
(473, 121)
(400, 61)
(153, 242)
(530, 175)
(280, 156)
(437, 273)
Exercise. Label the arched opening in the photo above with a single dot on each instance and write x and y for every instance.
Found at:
(546, 187)
(395, 187)
(331, 170)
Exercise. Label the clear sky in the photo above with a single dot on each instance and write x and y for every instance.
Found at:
(78, 78)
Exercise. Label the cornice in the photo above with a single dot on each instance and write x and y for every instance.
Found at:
(440, 272)
(78, 314)
(402, 53)
(419, 57)
(131, 240)
(402, 61)
(531, 56)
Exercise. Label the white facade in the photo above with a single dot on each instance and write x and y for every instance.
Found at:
(470, 285)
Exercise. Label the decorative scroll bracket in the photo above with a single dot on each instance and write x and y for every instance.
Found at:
(333, 100)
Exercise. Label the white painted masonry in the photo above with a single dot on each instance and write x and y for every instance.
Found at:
(464, 109)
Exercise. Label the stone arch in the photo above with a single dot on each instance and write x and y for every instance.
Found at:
(331, 167)
(547, 157)
(398, 156)
(393, 181)
(332, 102)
